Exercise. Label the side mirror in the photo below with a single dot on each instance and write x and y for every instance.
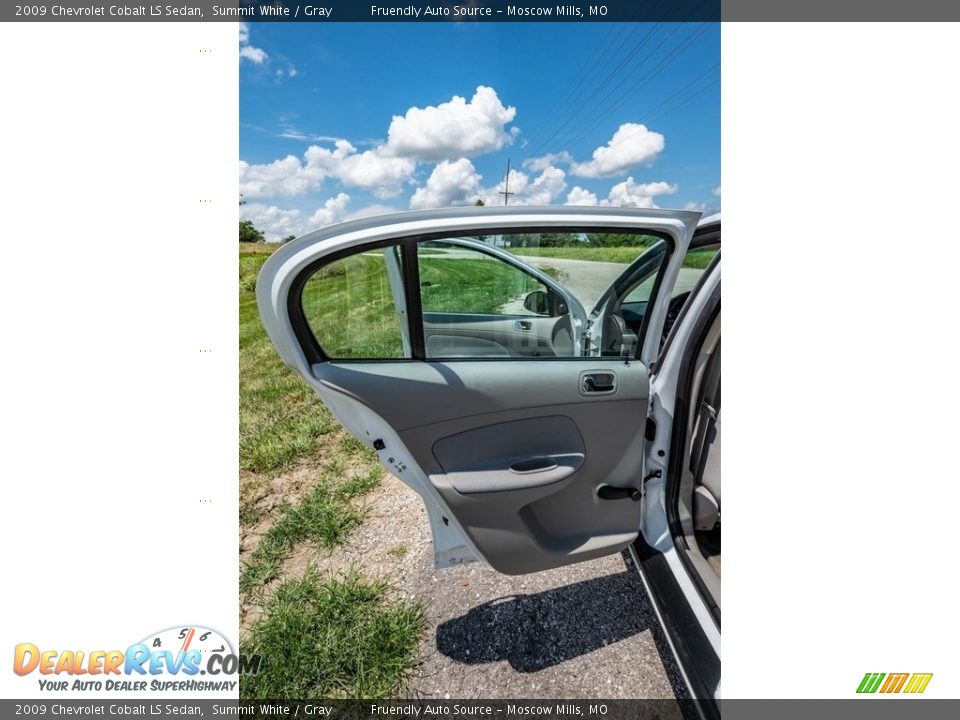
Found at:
(537, 302)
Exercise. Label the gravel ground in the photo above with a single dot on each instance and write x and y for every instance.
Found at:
(582, 631)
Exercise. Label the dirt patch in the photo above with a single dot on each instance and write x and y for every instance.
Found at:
(262, 497)
(581, 631)
(266, 499)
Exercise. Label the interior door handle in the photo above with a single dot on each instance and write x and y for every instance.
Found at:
(533, 465)
(598, 382)
(522, 325)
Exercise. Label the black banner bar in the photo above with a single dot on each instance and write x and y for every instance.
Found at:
(482, 11)
(369, 11)
(874, 708)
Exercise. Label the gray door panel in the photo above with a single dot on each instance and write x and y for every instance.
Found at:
(453, 335)
(517, 449)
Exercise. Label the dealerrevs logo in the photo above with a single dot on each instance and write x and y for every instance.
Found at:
(172, 659)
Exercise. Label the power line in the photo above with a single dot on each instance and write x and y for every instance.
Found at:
(583, 73)
(681, 104)
(646, 117)
(578, 117)
(582, 105)
(664, 63)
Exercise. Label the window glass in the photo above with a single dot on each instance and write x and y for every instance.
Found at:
(477, 305)
(477, 301)
(694, 263)
(586, 263)
(625, 323)
(353, 309)
(457, 279)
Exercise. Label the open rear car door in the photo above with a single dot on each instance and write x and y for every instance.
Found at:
(474, 375)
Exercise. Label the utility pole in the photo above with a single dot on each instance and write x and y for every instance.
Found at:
(506, 185)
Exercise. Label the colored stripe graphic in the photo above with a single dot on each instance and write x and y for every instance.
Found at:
(870, 682)
(895, 682)
(918, 682)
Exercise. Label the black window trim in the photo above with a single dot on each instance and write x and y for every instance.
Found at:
(314, 353)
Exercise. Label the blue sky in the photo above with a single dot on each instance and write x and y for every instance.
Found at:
(345, 120)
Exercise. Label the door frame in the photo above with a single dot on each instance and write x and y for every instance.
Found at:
(283, 275)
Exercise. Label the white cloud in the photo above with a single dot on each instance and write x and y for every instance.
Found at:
(454, 129)
(517, 185)
(248, 51)
(450, 183)
(289, 176)
(630, 146)
(333, 211)
(282, 178)
(716, 191)
(698, 206)
(272, 221)
(544, 161)
(292, 133)
(545, 188)
(253, 54)
(579, 196)
(540, 191)
(371, 170)
(640, 195)
(286, 70)
(277, 223)
(458, 183)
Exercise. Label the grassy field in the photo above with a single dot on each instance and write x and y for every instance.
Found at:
(334, 637)
(302, 483)
(611, 254)
(478, 285)
(281, 419)
(625, 255)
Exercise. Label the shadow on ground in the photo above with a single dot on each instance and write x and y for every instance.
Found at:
(533, 632)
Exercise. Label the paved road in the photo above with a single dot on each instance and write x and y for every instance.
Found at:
(588, 280)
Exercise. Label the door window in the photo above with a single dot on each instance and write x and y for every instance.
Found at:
(475, 297)
(355, 309)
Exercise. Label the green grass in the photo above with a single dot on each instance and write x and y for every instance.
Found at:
(398, 551)
(339, 637)
(349, 306)
(281, 418)
(471, 286)
(318, 637)
(324, 516)
(281, 421)
(698, 259)
(625, 255)
(259, 248)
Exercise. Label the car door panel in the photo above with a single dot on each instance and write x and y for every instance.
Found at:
(508, 451)
(452, 335)
(480, 426)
